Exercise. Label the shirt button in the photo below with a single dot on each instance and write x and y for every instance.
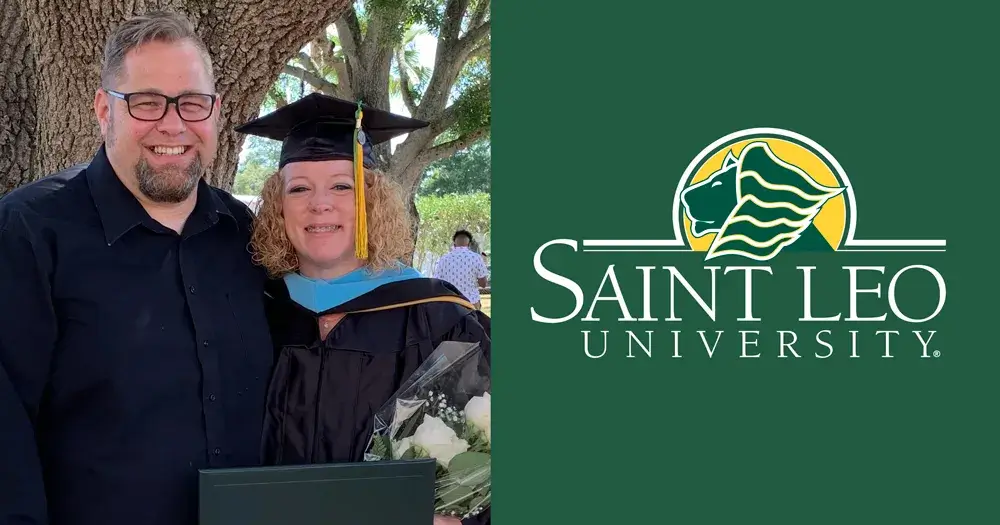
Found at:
(204, 343)
(217, 451)
(211, 397)
(191, 289)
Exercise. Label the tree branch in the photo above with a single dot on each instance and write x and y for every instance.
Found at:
(482, 50)
(320, 50)
(480, 13)
(449, 148)
(314, 80)
(321, 53)
(377, 18)
(404, 82)
(349, 31)
(452, 53)
(279, 98)
(343, 80)
(454, 13)
(448, 118)
(308, 63)
(471, 39)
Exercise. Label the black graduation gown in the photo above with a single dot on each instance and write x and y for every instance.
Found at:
(323, 395)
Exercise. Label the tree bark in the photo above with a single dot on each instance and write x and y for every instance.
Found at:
(17, 99)
(58, 68)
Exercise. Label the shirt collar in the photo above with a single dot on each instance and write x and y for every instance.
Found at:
(120, 211)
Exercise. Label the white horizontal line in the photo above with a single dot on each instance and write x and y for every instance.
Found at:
(678, 250)
(666, 250)
(888, 250)
(896, 242)
(665, 243)
(645, 243)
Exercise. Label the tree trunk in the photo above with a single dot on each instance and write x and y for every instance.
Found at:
(414, 229)
(369, 62)
(17, 99)
(56, 72)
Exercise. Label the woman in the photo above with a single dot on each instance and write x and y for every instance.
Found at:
(334, 251)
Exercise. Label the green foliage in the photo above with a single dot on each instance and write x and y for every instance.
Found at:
(466, 484)
(472, 90)
(259, 162)
(427, 12)
(417, 74)
(381, 446)
(473, 468)
(468, 171)
(393, 18)
(476, 439)
(441, 216)
(250, 180)
(374, 5)
(287, 87)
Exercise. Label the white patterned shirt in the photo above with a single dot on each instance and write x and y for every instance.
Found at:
(462, 268)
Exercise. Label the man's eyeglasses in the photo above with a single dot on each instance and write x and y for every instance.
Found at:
(150, 107)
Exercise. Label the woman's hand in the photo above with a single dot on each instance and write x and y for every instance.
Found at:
(446, 520)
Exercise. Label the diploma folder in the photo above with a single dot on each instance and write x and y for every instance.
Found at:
(369, 493)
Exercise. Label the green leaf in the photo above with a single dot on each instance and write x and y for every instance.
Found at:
(381, 446)
(411, 453)
(481, 499)
(476, 439)
(455, 495)
(470, 468)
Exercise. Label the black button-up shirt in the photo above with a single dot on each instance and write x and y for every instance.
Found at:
(130, 355)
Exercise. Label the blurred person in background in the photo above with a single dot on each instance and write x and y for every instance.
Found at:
(463, 267)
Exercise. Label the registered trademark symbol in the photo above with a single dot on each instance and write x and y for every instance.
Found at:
(937, 353)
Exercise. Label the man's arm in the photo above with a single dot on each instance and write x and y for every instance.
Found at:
(481, 272)
(27, 339)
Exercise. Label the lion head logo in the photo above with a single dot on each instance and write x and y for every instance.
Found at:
(757, 205)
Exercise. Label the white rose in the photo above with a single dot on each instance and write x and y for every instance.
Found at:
(401, 446)
(438, 440)
(477, 413)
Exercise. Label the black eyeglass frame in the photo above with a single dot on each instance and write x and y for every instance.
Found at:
(170, 100)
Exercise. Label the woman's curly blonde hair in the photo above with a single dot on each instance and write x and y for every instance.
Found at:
(389, 235)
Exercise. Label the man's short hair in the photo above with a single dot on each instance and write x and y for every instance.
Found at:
(155, 26)
(461, 233)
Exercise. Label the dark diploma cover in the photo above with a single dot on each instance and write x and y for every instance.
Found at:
(370, 493)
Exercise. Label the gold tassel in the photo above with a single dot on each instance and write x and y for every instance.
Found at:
(360, 207)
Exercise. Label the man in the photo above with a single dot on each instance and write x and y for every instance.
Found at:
(463, 267)
(133, 344)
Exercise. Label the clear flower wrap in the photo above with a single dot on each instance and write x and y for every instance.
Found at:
(443, 411)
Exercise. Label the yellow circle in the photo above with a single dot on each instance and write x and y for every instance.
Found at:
(830, 221)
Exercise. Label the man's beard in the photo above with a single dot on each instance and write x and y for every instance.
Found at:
(168, 184)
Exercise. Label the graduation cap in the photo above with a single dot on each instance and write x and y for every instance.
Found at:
(320, 127)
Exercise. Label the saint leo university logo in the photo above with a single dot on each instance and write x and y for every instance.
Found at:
(760, 192)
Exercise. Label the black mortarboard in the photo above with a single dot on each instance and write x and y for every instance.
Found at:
(320, 127)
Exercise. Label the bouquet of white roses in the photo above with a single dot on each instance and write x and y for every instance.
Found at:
(443, 412)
